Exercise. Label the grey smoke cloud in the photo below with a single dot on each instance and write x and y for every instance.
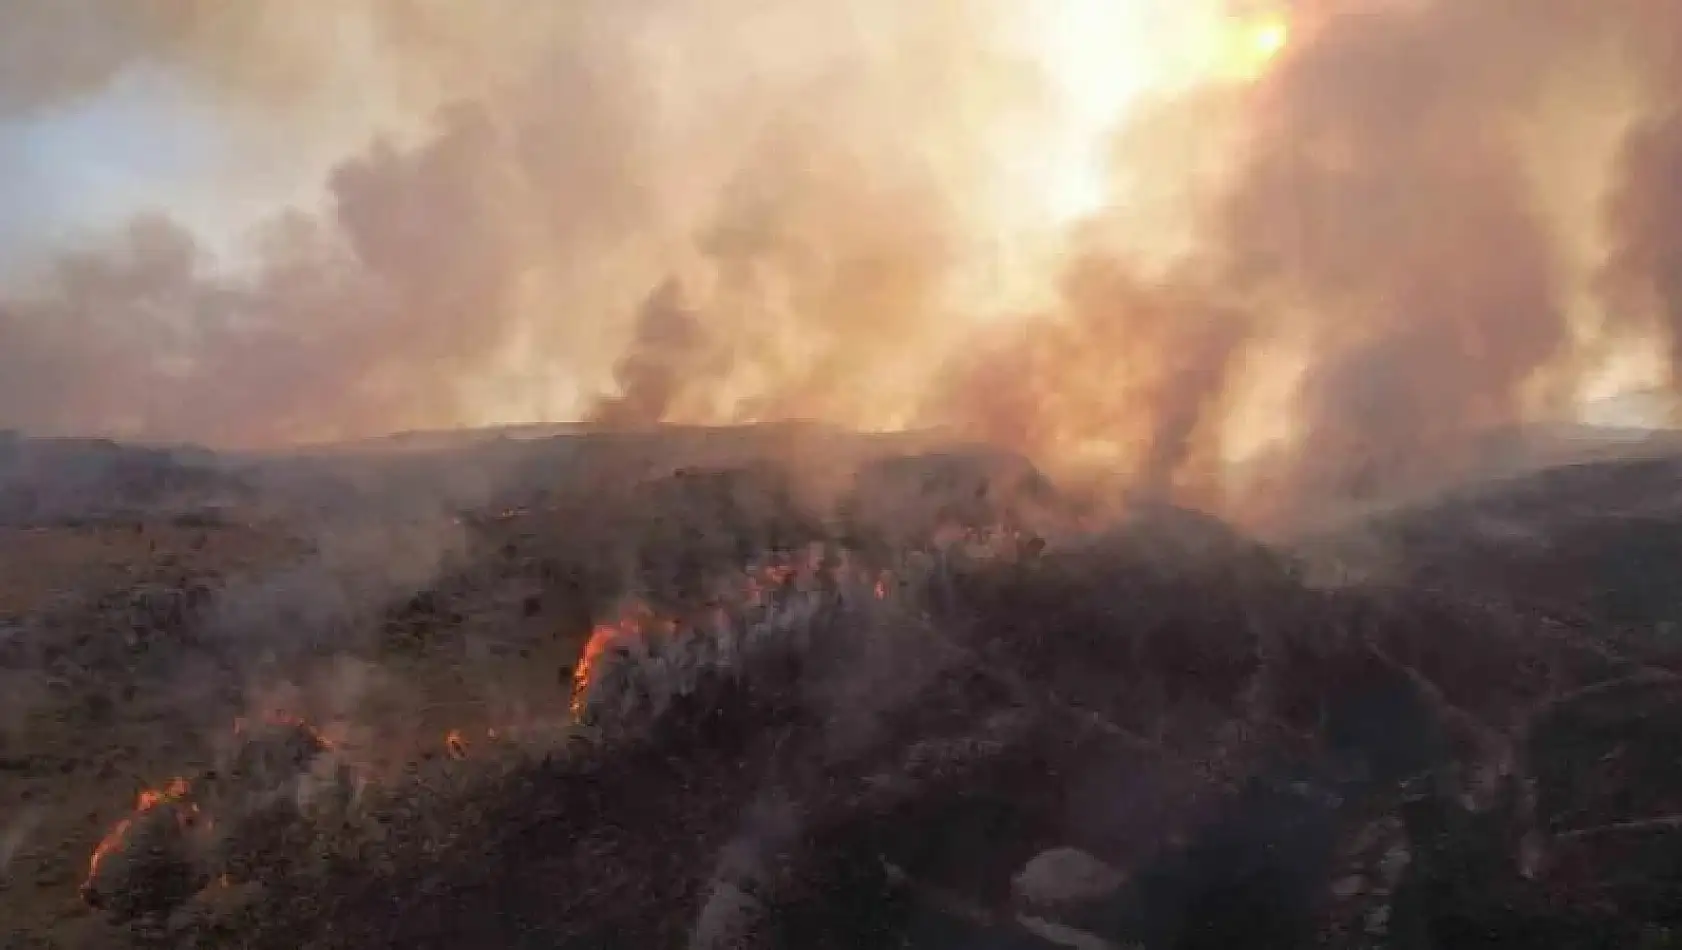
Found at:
(749, 212)
(1383, 216)
(510, 230)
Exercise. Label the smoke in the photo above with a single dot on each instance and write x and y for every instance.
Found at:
(146, 340)
(1124, 366)
(1387, 201)
(1346, 267)
(499, 240)
(1383, 219)
(51, 53)
(670, 346)
(816, 275)
(1645, 209)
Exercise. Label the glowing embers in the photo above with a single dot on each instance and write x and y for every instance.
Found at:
(455, 745)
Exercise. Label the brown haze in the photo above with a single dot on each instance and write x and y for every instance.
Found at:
(1354, 263)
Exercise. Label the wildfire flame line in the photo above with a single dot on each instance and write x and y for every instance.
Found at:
(755, 594)
(756, 591)
(631, 623)
(174, 791)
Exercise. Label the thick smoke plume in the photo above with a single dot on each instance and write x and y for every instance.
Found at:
(1346, 266)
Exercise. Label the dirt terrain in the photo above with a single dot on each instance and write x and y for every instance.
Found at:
(676, 690)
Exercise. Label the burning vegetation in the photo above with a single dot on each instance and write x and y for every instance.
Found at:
(192, 834)
(172, 798)
(771, 605)
(1154, 732)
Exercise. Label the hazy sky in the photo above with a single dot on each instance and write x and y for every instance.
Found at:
(1147, 234)
(93, 162)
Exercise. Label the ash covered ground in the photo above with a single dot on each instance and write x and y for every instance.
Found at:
(790, 687)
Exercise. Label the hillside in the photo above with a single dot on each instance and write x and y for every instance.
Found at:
(618, 691)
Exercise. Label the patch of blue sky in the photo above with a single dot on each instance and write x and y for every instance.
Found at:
(148, 142)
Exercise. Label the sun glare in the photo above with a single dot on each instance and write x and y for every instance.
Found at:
(1258, 44)
(1269, 39)
(1098, 59)
(1103, 57)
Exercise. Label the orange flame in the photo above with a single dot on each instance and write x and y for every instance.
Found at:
(177, 789)
(174, 791)
(454, 745)
(755, 584)
(630, 624)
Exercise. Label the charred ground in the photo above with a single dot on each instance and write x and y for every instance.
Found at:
(1463, 741)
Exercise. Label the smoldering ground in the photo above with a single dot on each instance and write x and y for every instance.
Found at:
(678, 214)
